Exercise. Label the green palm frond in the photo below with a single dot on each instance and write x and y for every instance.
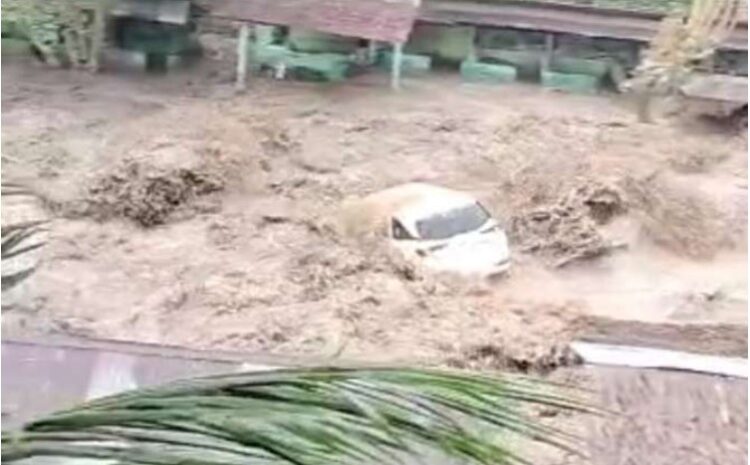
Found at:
(17, 239)
(305, 417)
(15, 235)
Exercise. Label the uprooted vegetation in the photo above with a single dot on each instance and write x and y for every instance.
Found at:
(538, 359)
(152, 175)
(567, 231)
(536, 354)
(147, 196)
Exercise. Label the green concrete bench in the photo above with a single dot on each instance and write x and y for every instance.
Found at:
(410, 62)
(576, 75)
(319, 66)
(303, 66)
(475, 71)
(303, 40)
(570, 82)
(527, 62)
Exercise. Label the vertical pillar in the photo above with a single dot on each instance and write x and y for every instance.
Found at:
(242, 43)
(549, 50)
(711, 63)
(396, 66)
(98, 34)
(372, 52)
(472, 56)
(157, 63)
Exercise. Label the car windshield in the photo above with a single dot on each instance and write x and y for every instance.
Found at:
(453, 222)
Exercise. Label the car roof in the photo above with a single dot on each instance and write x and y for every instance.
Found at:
(416, 194)
(409, 203)
(431, 201)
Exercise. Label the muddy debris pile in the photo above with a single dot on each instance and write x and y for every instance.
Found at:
(319, 271)
(568, 230)
(535, 359)
(505, 343)
(147, 195)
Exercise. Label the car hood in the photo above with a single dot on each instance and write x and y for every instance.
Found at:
(473, 253)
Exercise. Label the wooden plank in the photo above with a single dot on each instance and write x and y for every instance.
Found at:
(644, 357)
(714, 339)
(382, 20)
(718, 88)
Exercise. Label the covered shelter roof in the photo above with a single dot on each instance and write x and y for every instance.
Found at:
(616, 19)
(381, 20)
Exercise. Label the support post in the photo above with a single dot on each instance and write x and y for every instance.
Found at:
(157, 63)
(396, 66)
(549, 50)
(473, 56)
(242, 43)
(98, 35)
(372, 52)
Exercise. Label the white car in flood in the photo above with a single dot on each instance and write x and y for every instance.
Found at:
(443, 229)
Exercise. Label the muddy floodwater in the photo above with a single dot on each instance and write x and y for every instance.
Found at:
(184, 214)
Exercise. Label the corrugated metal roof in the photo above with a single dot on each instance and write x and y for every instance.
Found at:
(384, 20)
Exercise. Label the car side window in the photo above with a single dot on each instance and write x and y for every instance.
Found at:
(398, 231)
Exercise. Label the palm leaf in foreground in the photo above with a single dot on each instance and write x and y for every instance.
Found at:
(18, 239)
(304, 416)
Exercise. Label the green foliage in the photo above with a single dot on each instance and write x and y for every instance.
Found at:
(38, 22)
(306, 417)
(684, 40)
(60, 30)
(17, 240)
